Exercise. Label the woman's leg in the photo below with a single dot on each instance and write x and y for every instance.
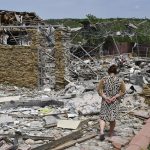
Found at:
(102, 126)
(112, 126)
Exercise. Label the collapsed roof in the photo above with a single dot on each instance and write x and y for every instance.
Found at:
(19, 18)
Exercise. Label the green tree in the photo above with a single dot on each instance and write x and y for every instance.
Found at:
(93, 19)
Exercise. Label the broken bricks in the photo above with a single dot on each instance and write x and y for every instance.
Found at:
(44, 127)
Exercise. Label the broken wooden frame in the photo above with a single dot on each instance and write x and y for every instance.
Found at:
(73, 142)
(19, 18)
(70, 139)
(73, 136)
(25, 137)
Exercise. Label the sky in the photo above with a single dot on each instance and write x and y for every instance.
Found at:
(57, 9)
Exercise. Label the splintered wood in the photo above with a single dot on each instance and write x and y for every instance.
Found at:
(73, 136)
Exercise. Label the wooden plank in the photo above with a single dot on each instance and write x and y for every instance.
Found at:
(71, 143)
(22, 115)
(38, 137)
(73, 136)
(42, 103)
(52, 114)
(29, 137)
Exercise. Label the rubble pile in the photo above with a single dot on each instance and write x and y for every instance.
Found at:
(129, 69)
(71, 119)
(42, 119)
(86, 70)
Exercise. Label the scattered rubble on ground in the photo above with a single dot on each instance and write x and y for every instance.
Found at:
(48, 119)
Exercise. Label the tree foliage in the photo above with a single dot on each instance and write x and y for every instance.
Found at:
(142, 33)
(93, 19)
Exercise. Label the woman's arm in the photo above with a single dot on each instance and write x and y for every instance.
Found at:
(122, 89)
(100, 88)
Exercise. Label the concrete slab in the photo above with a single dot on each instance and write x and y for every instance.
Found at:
(6, 119)
(68, 124)
(9, 98)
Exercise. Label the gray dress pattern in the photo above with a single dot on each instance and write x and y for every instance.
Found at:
(111, 87)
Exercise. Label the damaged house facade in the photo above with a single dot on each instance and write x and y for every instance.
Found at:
(27, 50)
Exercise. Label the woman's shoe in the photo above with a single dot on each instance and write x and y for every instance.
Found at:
(102, 137)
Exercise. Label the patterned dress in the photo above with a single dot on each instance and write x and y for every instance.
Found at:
(111, 86)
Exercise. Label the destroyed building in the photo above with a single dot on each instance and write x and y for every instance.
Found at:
(25, 44)
(35, 54)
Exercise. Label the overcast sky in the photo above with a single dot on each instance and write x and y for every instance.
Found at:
(80, 8)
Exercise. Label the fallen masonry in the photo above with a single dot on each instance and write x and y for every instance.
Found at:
(38, 119)
(37, 122)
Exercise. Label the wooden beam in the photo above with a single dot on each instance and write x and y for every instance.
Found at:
(84, 63)
(49, 146)
(29, 137)
(30, 103)
(86, 52)
(71, 143)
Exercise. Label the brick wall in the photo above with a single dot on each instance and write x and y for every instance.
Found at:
(19, 64)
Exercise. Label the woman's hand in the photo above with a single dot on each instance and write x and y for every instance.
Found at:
(113, 99)
(108, 100)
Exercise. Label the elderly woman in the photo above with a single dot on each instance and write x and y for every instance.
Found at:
(110, 88)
